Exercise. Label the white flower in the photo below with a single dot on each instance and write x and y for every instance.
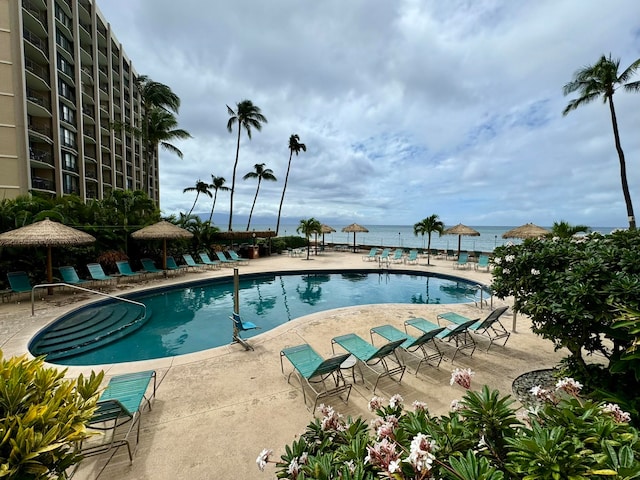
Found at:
(420, 406)
(461, 376)
(569, 385)
(375, 403)
(396, 401)
(506, 271)
(456, 405)
(394, 466)
(263, 458)
(497, 260)
(535, 272)
(421, 456)
(618, 414)
(294, 468)
(509, 258)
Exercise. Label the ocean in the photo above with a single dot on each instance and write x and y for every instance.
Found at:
(402, 236)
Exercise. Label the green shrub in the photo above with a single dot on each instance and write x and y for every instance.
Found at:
(42, 417)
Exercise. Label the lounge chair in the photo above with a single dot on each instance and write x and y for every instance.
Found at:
(412, 259)
(224, 260)
(490, 327)
(450, 254)
(372, 255)
(384, 256)
(411, 345)
(204, 256)
(237, 258)
(174, 267)
(191, 263)
(370, 356)
(19, 282)
(70, 276)
(125, 270)
(463, 261)
(120, 403)
(150, 267)
(241, 326)
(97, 273)
(323, 377)
(459, 334)
(483, 262)
(398, 256)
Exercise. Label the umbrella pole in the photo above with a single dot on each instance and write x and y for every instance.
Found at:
(459, 241)
(354, 242)
(164, 254)
(49, 270)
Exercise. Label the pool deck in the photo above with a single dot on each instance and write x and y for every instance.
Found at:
(217, 409)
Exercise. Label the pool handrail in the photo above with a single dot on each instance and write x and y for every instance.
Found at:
(114, 297)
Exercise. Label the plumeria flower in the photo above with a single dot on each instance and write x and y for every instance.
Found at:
(509, 258)
(421, 452)
(539, 392)
(506, 271)
(462, 376)
(351, 466)
(497, 260)
(419, 406)
(375, 404)
(618, 414)
(294, 468)
(263, 458)
(396, 401)
(569, 385)
(456, 405)
(382, 454)
(535, 272)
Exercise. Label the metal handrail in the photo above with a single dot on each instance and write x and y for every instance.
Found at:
(114, 297)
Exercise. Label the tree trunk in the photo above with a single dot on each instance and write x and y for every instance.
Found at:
(429, 249)
(623, 167)
(284, 189)
(213, 206)
(194, 204)
(233, 180)
(254, 204)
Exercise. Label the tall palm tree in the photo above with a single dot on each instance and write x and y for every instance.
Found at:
(294, 147)
(162, 129)
(217, 184)
(247, 116)
(564, 229)
(601, 81)
(307, 228)
(428, 225)
(200, 187)
(260, 173)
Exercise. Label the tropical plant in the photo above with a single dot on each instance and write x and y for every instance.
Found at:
(200, 187)
(601, 81)
(260, 173)
(247, 116)
(294, 147)
(564, 229)
(43, 418)
(217, 183)
(308, 227)
(427, 226)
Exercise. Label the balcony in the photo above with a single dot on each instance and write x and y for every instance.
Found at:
(39, 183)
(36, 42)
(41, 130)
(41, 156)
(40, 72)
(36, 14)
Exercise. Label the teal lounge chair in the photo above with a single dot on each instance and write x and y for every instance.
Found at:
(483, 262)
(383, 361)
(97, 273)
(204, 256)
(459, 334)
(224, 260)
(236, 258)
(19, 282)
(398, 255)
(70, 276)
(188, 259)
(150, 267)
(490, 327)
(372, 255)
(463, 261)
(411, 345)
(412, 259)
(174, 267)
(122, 402)
(125, 269)
(323, 377)
(384, 256)
(241, 326)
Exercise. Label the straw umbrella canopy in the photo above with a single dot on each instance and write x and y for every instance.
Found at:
(164, 231)
(461, 230)
(526, 231)
(45, 233)
(354, 227)
(326, 229)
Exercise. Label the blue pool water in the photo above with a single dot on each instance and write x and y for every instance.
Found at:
(195, 316)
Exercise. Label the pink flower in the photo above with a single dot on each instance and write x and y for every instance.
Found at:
(396, 401)
(421, 452)
(456, 405)
(375, 404)
(382, 454)
(462, 376)
(331, 420)
(420, 406)
(263, 458)
(618, 414)
(569, 385)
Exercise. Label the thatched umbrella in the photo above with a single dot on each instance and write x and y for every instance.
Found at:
(326, 229)
(45, 233)
(164, 231)
(354, 227)
(526, 231)
(461, 230)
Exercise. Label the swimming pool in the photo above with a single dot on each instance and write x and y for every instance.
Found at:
(195, 316)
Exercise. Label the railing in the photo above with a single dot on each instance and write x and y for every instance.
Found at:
(36, 12)
(114, 297)
(37, 70)
(38, 98)
(36, 41)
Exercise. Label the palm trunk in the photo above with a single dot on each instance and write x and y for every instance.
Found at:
(194, 204)
(254, 204)
(623, 167)
(284, 189)
(429, 249)
(213, 206)
(233, 180)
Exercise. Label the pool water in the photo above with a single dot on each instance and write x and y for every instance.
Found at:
(195, 316)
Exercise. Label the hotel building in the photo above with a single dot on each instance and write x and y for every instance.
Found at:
(68, 104)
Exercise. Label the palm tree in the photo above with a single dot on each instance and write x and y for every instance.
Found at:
(218, 184)
(564, 229)
(428, 225)
(294, 147)
(260, 173)
(602, 80)
(247, 116)
(308, 228)
(200, 187)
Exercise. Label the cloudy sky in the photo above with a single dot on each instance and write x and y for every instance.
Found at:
(407, 107)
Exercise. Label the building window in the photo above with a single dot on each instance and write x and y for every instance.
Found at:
(66, 90)
(69, 162)
(62, 17)
(63, 41)
(67, 114)
(65, 66)
(68, 137)
(70, 184)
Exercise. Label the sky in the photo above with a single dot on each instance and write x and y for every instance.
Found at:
(407, 107)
